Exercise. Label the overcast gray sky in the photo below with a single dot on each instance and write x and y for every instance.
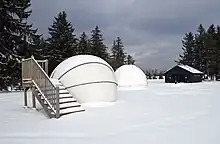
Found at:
(151, 29)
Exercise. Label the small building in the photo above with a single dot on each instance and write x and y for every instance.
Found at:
(130, 77)
(183, 73)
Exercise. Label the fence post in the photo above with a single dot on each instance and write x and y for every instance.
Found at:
(57, 103)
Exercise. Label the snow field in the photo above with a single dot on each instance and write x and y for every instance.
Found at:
(161, 114)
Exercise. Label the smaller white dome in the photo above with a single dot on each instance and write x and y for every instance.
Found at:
(130, 76)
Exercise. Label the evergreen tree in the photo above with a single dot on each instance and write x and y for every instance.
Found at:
(148, 73)
(203, 51)
(15, 37)
(210, 49)
(38, 48)
(84, 45)
(161, 74)
(218, 51)
(199, 50)
(62, 43)
(97, 45)
(118, 55)
(130, 60)
(188, 48)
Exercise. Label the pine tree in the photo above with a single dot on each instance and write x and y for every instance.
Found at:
(97, 45)
(203, 52)
(161, 74)
(218, 51)
(62, 43)
(188, 48)
(118, 54)
(148, 73)
(199, 50)
(38, 47)
(15, 37)
(210, 48)
(84, 45)
(130, 60)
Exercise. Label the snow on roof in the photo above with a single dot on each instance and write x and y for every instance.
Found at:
(190, 69)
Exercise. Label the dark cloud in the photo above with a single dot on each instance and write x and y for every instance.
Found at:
(151, 29)
(166, 26)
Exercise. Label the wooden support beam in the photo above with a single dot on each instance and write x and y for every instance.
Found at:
(25, 97)
(33, 97)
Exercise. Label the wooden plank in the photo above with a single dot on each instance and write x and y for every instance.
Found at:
(57, 103)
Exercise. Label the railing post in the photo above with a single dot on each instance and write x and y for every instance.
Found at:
(32, 67)
(22, 70)
(57, 103)
(46, 66)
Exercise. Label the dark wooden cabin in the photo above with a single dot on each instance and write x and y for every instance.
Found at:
(183, 73)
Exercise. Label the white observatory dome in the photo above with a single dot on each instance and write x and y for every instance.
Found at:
(130, 76)
(88, 78)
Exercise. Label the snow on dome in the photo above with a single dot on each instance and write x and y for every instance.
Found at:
(88, 78)
(130, 76)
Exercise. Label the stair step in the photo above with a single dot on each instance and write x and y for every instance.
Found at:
(60, 98)
(64, 101)
(51, 89)
(63, 91)
(61, 95)
(65, 95)
(67, 100)
(71, 110)
(55, 82)
(69, 105)
(62, 87)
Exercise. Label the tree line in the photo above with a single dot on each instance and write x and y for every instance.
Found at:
(201, 50)
(19, 40)
(154, 74)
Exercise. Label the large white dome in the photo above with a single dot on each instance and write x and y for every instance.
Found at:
(88, 78)
(130, 76)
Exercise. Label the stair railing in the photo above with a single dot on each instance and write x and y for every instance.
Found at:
(31, 70)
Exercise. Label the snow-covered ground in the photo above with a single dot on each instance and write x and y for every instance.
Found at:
(161, 114)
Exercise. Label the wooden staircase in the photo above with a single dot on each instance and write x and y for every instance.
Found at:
(67, 103)
(51, 94)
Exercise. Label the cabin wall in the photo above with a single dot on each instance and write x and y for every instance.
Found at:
(196, 78)
(180, 75)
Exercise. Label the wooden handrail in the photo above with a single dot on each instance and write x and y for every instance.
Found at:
(31, 70)
(42, 94)
(42, 71)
